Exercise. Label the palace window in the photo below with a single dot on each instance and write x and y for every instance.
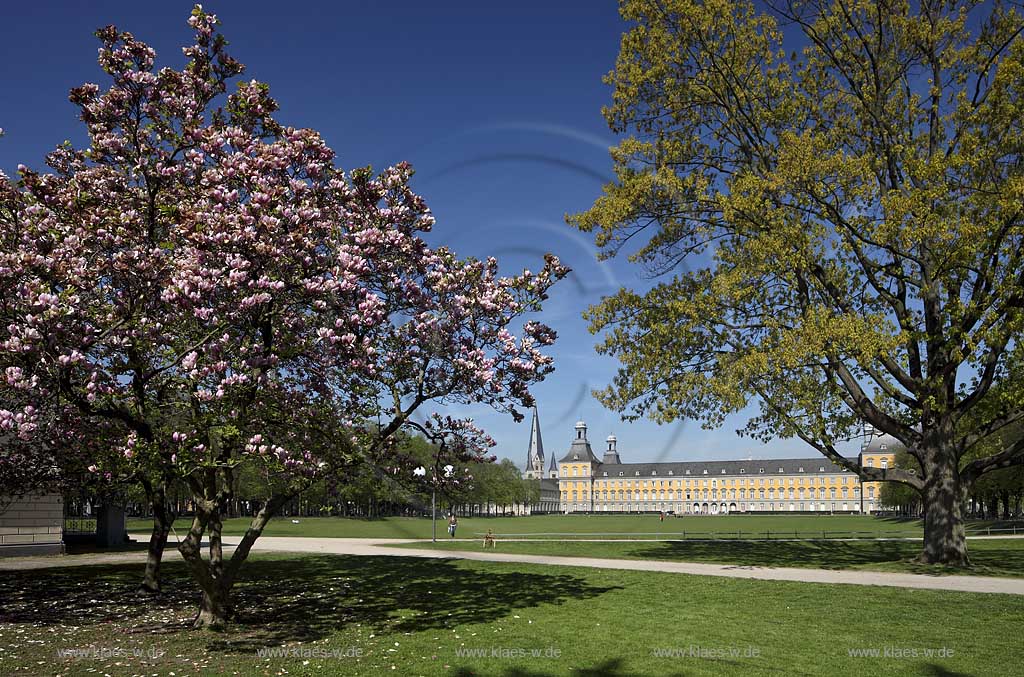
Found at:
(885, 463)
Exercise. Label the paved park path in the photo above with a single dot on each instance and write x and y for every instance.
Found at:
(379, 547)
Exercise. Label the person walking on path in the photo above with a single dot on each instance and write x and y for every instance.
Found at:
(453, 523)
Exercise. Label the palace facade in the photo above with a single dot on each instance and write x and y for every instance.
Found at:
(586, 483)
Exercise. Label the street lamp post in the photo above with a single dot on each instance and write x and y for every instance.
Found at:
(449, 471)
(422, 472)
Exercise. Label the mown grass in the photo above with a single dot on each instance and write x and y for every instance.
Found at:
(568, 526)
(989, 557)
(408, 616)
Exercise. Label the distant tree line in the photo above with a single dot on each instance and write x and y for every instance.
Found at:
(486, 489)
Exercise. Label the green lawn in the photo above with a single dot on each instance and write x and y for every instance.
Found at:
(560, 527)
(408, 616)
(995, 557)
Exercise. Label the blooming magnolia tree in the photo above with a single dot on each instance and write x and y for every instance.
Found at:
(206, 282)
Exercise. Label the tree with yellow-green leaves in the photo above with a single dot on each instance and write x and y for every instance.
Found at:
(832, 196)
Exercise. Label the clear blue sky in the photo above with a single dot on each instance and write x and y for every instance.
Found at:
(497, 105)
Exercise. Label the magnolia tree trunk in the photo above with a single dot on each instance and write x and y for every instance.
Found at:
(215, 605)
(216, 576)
(943, 494)
(162, 520)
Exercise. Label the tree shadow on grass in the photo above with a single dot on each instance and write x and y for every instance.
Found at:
(822, 554)
(936, 670)
(92, 594)
(985, 559)
(612, 667)
(312, 597)
(290, 599)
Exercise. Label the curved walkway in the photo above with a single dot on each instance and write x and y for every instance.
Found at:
(379, 547)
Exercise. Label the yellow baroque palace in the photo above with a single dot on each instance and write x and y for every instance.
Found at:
(586, 483)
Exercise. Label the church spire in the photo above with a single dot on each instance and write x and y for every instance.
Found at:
(535, 454)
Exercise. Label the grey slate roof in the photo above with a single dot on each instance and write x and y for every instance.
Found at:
(874, 445)
(770, 466)
(579, 451)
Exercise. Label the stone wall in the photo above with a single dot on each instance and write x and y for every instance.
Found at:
(32, 525)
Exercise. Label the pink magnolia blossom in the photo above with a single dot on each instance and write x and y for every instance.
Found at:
(214, 270)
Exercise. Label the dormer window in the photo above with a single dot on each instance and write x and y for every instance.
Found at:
(743, 471)
(723, 471)
(781, 470)
(620, 473)
(638, 473)
(654, 472)
(687, 472)
(760, 470)
(801, 469)
(821, 469)
(669, 472)
(882, 447)
(606, 473)
(705, 471)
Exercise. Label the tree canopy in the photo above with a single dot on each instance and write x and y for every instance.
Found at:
(832, 192)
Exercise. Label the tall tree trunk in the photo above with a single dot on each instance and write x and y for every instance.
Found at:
(1004, 497)
(944, 537)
